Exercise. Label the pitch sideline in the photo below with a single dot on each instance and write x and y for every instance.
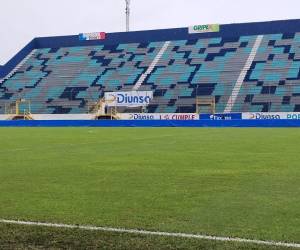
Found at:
(145, 232)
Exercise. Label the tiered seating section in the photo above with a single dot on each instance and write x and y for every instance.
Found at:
(71, 79)
(273, 82)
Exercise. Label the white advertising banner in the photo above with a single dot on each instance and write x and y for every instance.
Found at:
(128, 99)
(159, 116)
(204, 28)
(271, 116)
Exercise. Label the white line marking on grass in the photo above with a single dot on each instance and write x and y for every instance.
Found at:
(144, 232)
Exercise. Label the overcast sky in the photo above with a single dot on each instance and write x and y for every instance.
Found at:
(22, 20)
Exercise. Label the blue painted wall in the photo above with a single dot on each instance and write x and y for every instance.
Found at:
(227, 30)
(162, 123)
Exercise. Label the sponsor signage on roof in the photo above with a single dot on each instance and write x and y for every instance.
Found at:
(128, 99)
(271, 116)
(92, 36)
(204, 28)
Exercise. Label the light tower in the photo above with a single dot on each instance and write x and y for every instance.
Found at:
(127, 11)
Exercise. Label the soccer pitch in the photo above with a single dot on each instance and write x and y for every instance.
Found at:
(229, 182)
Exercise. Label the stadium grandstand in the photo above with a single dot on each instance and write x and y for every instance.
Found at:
(252, 67)
(127, 165)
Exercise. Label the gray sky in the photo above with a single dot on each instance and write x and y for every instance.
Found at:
(22, 20)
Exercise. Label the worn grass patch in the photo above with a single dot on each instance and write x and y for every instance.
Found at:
(30, 237)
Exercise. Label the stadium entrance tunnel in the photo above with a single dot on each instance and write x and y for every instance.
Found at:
(106, 117)
(20, 117)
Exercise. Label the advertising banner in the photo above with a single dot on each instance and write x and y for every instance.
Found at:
(229, 116)
(204, 28)
(92, 36)
(128, 99)
(271, 116)
(159, 116)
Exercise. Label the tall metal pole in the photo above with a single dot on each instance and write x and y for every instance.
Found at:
(127, 11)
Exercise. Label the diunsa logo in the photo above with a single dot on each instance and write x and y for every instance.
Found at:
(261, 116)
(129, 98)
(110, 98)
(133, 99)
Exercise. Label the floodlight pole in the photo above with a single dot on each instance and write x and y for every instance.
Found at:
(127, 11)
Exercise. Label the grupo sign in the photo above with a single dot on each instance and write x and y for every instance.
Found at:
(128, 99)
(92, 36)
(159, 116)
(204, 28)
(271, 116)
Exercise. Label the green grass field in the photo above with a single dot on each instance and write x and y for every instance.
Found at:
(224, 182)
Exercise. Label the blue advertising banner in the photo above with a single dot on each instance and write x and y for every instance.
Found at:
(228, 116)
